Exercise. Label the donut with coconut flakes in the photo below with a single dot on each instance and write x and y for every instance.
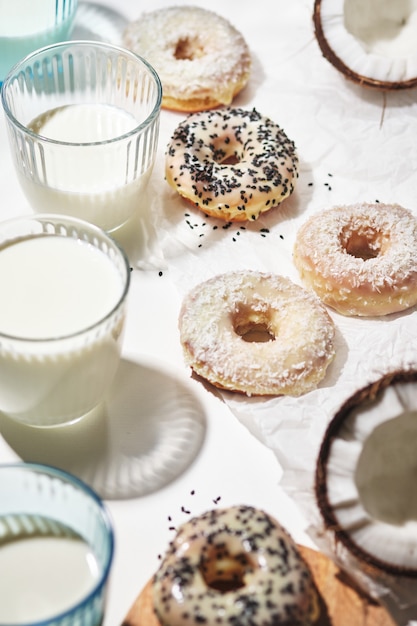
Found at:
(203, 61)
(360, 259)
(256, 333)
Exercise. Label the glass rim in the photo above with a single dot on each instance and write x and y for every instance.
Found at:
(21, 66)
(74, 221)
(76, 482)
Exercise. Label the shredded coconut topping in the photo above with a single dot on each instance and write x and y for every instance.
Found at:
(360, 259)
(216, 314)
(195, 52)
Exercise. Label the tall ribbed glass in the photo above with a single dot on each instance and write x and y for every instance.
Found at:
(64, 286)
(83, 124)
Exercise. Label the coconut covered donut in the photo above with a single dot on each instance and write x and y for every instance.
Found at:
(202, 60)
(233, 164)
(256, 333)
(234, 565)
(360, 259)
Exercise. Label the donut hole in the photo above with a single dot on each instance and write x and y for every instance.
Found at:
(224, 151)
(252, 326)
(223, 571)
(188, 49)
(363, 245)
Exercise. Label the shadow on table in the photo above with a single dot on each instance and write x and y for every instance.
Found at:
(97, 22)
(148, 431)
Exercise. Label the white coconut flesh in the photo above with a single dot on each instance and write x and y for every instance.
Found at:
(375, 41)
(371, 477)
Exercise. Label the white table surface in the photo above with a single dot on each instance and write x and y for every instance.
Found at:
(334, 125)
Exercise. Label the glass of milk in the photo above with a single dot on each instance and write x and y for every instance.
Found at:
(56, 548)
(83, 124)
(26, 25)
(64, 284)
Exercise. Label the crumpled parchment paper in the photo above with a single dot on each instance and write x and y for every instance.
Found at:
(354, 145)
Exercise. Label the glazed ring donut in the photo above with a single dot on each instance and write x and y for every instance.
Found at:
(234, 566)
(256, 333)
(360, 259)
(202, 60)
(232, 164)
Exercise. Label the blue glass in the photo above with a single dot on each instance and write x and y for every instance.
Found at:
(41, 501)
(26, 25)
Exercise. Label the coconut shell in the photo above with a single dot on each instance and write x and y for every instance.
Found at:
(330, 55)
(368, 394)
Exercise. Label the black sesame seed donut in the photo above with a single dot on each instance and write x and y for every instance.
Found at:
(232, 164)
(256, 333)
(360, 259)
(234, 565)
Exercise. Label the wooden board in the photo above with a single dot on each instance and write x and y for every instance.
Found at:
(341, 603)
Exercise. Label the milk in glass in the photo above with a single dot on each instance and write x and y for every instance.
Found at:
(102, 184)
(59, 332)
(45, 576)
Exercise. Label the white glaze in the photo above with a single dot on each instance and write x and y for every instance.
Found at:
(263, 176)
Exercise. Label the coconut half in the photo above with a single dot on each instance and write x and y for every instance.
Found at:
(366, 475)
(372, 42)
